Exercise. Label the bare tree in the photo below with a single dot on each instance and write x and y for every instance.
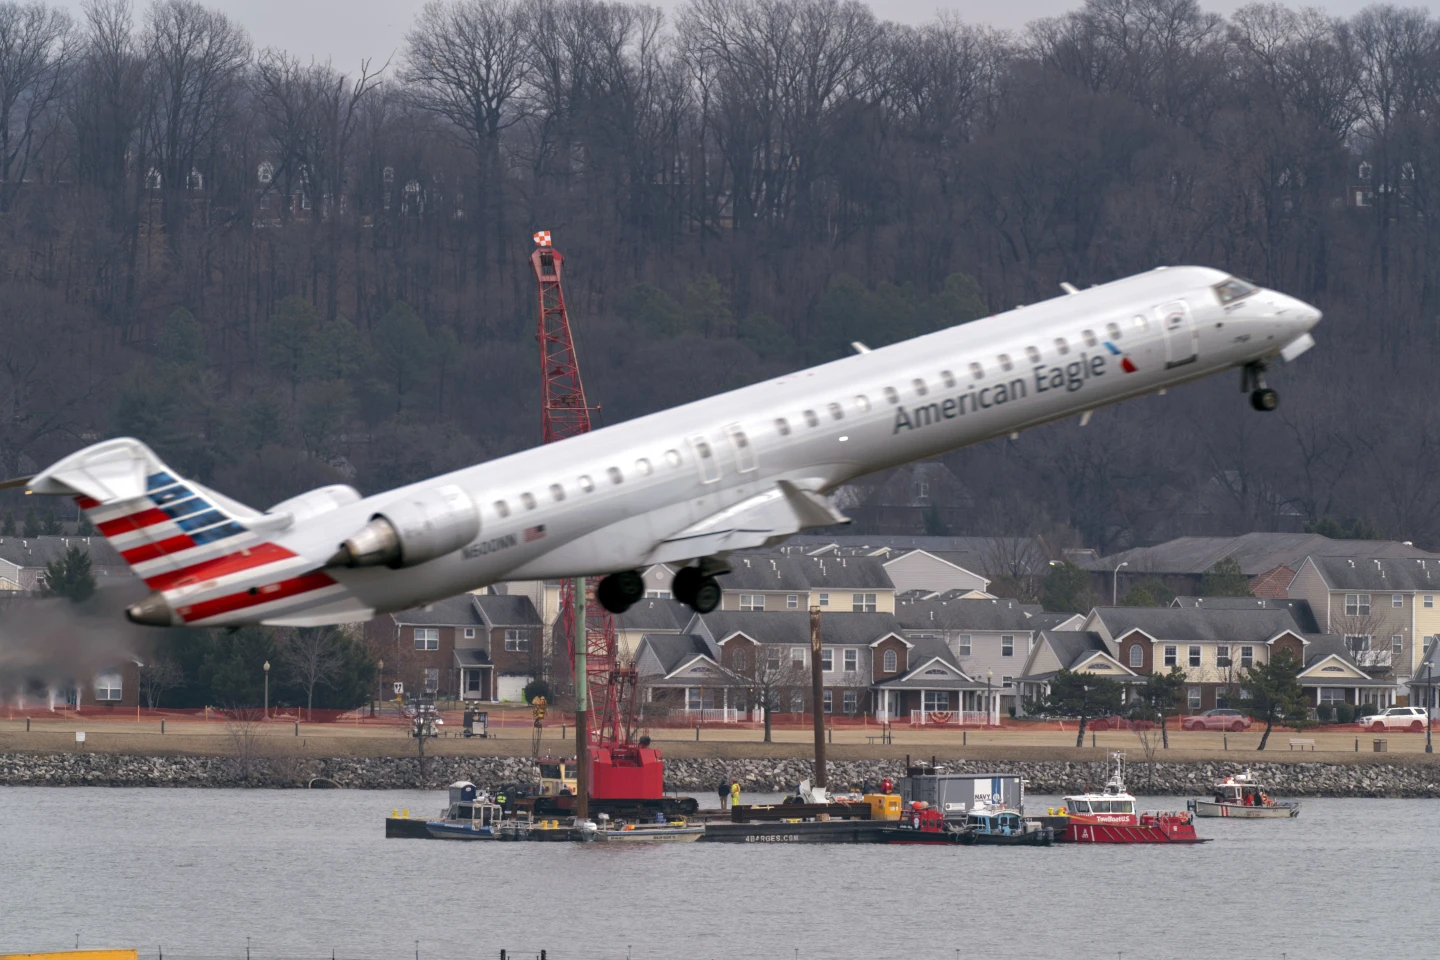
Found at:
(310, 658)
(248, 747)
(36, 46)
(766, 678)
(159, 675)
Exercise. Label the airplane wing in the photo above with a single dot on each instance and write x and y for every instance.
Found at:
(757, 521)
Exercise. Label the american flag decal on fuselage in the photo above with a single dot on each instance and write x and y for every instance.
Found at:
(206, 560)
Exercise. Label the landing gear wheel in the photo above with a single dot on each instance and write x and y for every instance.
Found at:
(707, 595)
(1264, 399)
(683, 587)
(619, 591)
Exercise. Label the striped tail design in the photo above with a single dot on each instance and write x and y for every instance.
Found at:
(206, 554)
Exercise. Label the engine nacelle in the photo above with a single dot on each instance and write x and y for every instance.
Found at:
(424, 525)
(314, 503)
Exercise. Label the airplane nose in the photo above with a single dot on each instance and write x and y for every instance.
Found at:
(1301, 315)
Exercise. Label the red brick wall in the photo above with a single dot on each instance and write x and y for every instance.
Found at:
(878, 661)
(1148, 648)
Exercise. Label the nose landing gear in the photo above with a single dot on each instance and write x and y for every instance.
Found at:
(1252, 378)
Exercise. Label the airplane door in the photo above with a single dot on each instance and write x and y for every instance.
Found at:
(705, 459)
(740, 446)
(1182, 340)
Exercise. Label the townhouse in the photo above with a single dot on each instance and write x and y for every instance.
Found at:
(788, 582)
(990, 639)
(1079, 651)
(23, 560)
(1384, 608)
(483, 647)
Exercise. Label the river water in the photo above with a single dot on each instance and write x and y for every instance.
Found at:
(309, 874)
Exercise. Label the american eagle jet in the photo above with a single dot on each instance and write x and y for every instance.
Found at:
(686, 486)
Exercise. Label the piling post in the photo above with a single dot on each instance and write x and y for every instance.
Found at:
(582, 731)
(817, 692)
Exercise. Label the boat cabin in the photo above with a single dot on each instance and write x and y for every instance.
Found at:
(1005, 823)
(469, 806)
(557, 778)
(1241, 791)
(1088, 804)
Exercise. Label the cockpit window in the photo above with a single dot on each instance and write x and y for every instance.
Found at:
(1232, 289)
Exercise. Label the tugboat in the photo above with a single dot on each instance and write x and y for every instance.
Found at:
(1000, 826)
(1241, 795)
(1110, 817)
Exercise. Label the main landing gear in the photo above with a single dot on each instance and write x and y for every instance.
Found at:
(697, 587)
(619, 591)
(1262, 398)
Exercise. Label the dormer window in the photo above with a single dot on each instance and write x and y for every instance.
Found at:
(265, 173)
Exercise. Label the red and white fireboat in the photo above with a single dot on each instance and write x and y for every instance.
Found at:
(1110, 817)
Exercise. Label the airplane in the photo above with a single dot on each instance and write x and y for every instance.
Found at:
(686, 486)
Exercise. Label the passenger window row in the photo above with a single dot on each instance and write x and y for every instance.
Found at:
(643, 467)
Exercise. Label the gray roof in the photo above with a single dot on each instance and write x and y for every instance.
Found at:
(1299, 609)
(923, 653)
(794, 628)
(1072, 646)
(654, 613)
(1380, 574)
(999, 614)
(1198, 624)
(1256, 553)
(1049, 621)
(675, 650)
(466, 657)
(779, 571)
(988, 556)
(41, 551)
(450, 612)
(503, 610)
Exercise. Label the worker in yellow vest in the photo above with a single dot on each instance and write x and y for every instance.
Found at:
(734, 793)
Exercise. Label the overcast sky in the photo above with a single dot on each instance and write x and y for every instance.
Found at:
(345, 31)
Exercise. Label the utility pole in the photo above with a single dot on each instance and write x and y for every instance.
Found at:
(817, 693)
(582, 727)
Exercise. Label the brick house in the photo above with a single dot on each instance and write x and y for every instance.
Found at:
(472, 647)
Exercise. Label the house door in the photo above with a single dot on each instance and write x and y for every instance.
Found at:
(1182, 340)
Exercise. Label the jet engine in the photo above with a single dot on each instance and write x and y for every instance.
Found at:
(424, 525)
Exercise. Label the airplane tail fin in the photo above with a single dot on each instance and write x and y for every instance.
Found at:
(161, 523)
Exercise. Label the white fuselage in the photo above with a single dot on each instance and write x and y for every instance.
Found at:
(608, 500)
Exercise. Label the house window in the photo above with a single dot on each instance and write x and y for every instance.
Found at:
(517, 640)
(1192, 697)
(862, 602)
(797, 702)
(1137, 655)
(1332, 695)
(1247, 657)
(586, 484)
(1397, 645)
(752, 601)
(792, 601)
(937, 700)
(1172, 656)
(694, 698)
(1007, 646)
(1357, 604)
(1429, 601)
(107, 687)
(1357, 645)
(891, 661)
(472, 681)
(773, 660)
(737, 659)
(469, 633)
(427, 638)
(432, 679)
(1194, 655)
(827, 660)
(922, 490)
(848, 702)
(1397, 600)
(964, 645)
(1222, 655)
(829, 700)
(852, 661)
(824, 599)
(782, 426)
(1007, 681)
(797, 656)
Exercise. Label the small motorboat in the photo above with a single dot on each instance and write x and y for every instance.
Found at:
(1000, 826)
(922, 824)
(1241, 795)
(470, 816)
(1110, 816)
(662, 831)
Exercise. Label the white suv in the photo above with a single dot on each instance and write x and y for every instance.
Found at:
(1396, 718)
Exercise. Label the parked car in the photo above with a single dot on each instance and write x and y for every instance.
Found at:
(1217, 719)
(1396, 718)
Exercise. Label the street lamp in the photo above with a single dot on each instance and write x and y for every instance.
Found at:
(989, 704)
(1115, 583)
(1429, 696)
(379, 685)
(267, 689)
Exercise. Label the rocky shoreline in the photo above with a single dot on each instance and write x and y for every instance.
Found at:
(1299, 779)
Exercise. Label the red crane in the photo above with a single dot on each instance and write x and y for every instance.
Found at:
(618, 770)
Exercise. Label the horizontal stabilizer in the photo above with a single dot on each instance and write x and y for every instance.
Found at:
(757, 521)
